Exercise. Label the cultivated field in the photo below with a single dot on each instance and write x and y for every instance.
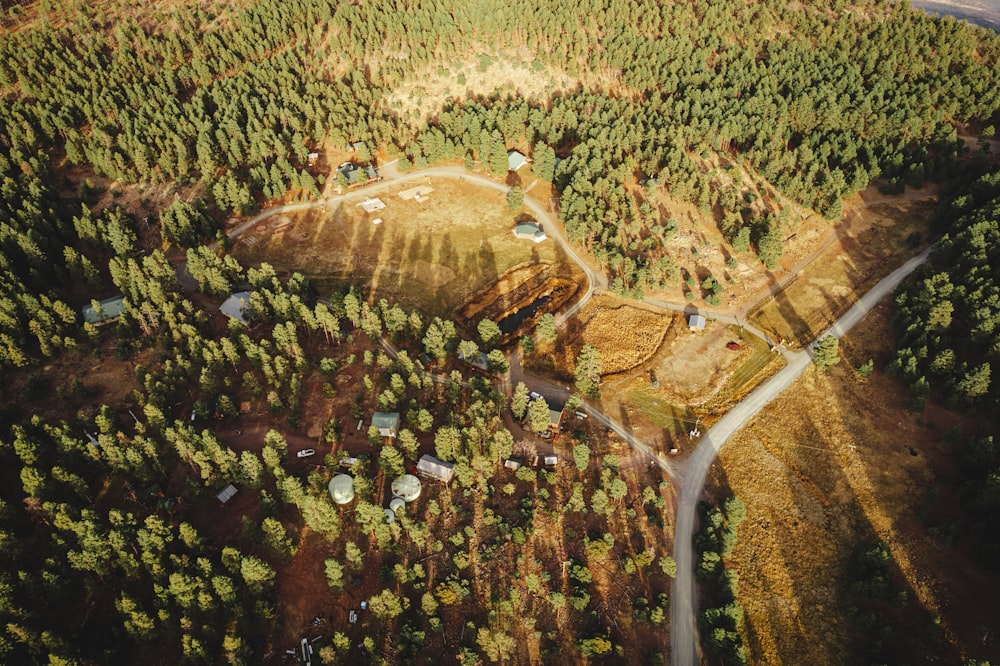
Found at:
(833, 465)
(434, 253)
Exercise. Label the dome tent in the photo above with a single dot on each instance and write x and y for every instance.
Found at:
(342, 488)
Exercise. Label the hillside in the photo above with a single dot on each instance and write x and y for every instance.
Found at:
(685, 147)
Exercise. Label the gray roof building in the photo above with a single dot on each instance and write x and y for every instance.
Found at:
(515, 160)
(234, 306)
(107, 310)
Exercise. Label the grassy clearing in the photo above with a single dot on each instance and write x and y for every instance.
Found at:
(675, 419)
(833, 463)
(433, 254)
(625, 336)
(760, 364)
(831, 283)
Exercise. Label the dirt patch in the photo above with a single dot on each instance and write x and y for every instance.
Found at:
(833, 463)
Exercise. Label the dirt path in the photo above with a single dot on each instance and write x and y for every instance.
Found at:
(683, 609)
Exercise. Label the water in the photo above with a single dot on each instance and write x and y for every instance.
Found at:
(511, 322)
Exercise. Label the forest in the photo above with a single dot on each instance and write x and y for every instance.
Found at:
(806, 103)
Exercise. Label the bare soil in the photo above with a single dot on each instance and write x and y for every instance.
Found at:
(834, 463)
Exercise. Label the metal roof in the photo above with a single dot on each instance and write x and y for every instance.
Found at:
(110, 308)
(233, 306)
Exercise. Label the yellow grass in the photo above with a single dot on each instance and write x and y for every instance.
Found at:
(435, 254)
(624, 336)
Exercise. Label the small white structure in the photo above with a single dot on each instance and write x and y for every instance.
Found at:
(234, 306)
(372, 205)
(226, 493)
(512, 465)
(342, 488)
(397, 504)
(515, 160)
(406, 488)
(377, 220)
(433, 468)
(696, 322)
(529, 231)
(551, 461)
(390, 516)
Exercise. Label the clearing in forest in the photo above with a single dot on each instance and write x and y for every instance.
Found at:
(433, 254)
(832, 466)
(876, 240)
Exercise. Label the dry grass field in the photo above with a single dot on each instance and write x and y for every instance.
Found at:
(835, 463)
(435, 253)
(871, 248)
(624, 336)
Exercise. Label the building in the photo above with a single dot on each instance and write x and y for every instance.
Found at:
(530, 231)
(515, 160)
(107, 310)
(433, 468)
(341, 488)
(479, 360)
(696, 322)
(234, 307)
(406, 487)
(357, 175)
(226, 493)
(386, 422)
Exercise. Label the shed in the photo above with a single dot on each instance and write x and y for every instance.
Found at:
(107, 310)
(397, 504)
(515, 160)
(433, 468)
(342, 488)
(234, 307)
(512, 465)
(406, 487)
(551, 461)
(386, 422)
(226, 493)
(529, 231)
(696, 322)
(479, 360)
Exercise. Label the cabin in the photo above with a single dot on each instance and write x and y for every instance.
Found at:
(696, 322)
(529, 231)
(226, 493)
(234, 307)
(386, 422)
(107, 310)
(358, 175)
(515, 160)
(477, 360)
(432, 468)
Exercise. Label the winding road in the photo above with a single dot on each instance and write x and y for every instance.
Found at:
(689, 476)
(683, 609)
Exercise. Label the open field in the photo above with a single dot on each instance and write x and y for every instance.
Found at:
(435, 253)
(833, 465)
(853, 263)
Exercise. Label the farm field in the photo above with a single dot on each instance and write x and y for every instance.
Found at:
(434, 253)
(833, 466)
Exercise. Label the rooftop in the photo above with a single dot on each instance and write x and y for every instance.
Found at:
(110, 308)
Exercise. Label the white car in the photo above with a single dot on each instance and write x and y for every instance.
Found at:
(305, 453)
(534, 396)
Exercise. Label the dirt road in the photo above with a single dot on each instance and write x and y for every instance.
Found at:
(683, 609)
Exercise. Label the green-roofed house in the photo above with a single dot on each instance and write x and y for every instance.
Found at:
(107, 310)
(529, 231)
(386, 422)
(515, 160)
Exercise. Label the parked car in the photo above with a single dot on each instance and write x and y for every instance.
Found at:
(534, 396)
(305, 453)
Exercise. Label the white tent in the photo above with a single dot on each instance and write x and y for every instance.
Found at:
(396, 504)
(342, 488)
(406, 487)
